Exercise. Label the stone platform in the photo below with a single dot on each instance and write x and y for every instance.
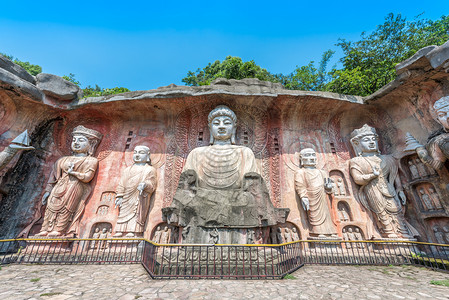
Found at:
(129, 282)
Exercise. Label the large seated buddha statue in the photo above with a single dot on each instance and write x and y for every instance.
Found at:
(220, 188)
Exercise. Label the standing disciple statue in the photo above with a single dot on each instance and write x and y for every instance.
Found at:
(380, 187)
(68, 187)
(312, 186)
(220, 187)
(137, 184)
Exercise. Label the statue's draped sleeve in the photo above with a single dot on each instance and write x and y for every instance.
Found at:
(300, 184)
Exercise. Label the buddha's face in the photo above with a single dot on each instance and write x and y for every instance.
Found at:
(141, 155)
(443, 116)
(80, 144)
(368, 144)
(308, 158)
(222, 128)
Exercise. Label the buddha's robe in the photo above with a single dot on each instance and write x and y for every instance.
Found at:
(379, 194)
(310, 183)
(68, 194)
(135, 205)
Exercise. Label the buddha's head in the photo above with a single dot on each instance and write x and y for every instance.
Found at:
(141, 154)
(307, 158)
(441, 107)
(85, 140)
(365, 141)
(222, 125)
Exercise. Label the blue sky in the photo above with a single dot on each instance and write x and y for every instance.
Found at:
(144, 44)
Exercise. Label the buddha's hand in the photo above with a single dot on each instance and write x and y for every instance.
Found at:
(328, 185)
(305, 203)
(423, 154)
(141, 187)
(118, 201)
(70, 170)
(45, 198)
(376, 171)
(402, 197)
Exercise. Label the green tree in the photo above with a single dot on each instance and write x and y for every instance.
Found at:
(369, 64)
(30, 68)
(309, 77)
(71, 78)
(231, 68)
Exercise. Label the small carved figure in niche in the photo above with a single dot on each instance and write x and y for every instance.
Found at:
(341, 187)
(446, 233)
(157, 235)
(265, 234)
(422, 170)
(137, 184)
(351, 235)
(430, 170)
(108, 243)
(279, 237)
(345, 234)
(68, 187)
(380, 187)
(273, 236)
(250, 236)
(436, 151)
(435, 198)
(259, 236)
(174, 234)
(343, 213)
(358, 236)
(425, 199)
(439, 235)
(413, 170)
(21, 142)
(96, 235)
(214, 236)
(165, 236)
(103, 235)
(312, 185)
(287, 235)
(295, 235)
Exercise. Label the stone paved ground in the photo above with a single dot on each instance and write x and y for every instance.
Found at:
(128, 282)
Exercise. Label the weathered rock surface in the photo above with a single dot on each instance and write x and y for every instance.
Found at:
(10, 66)
(12, 81)
(58, 87)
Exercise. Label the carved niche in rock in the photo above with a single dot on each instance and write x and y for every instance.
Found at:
(380, 189)
(344, 212)
(312, 186)
(137, 184)
(221, 187)
(165, 234)
(353, 233)
(429, 197)
(69, 185)
(340, 186)
(101, 230)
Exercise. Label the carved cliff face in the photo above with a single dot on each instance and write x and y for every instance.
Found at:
(141, 154)
(368, 144)
(80, 144)
(222, 128)
(443, 116)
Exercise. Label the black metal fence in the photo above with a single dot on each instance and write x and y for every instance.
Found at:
(223, 261)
